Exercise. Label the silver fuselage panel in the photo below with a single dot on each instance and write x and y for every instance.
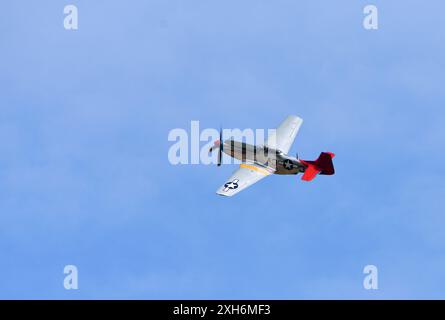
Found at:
(272, 159)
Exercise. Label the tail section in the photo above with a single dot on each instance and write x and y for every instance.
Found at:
(323, 165)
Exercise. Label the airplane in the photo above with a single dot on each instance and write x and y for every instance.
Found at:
(258, 162)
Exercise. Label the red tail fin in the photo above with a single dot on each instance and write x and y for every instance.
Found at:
(323, 165)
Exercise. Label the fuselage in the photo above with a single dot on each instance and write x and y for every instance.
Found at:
(273, 160)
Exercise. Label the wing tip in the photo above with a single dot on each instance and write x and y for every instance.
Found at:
(222, 194)
(295, 117)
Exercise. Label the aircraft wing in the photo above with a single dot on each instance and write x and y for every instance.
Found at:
(243, 177)
(285, 134)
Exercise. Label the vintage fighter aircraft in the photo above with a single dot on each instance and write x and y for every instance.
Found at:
(258, 162)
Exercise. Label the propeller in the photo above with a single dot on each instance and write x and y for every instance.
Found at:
(218, 144)
(220, 149)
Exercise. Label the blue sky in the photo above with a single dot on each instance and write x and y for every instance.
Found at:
(85, 178)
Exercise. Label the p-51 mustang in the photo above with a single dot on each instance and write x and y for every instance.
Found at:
(270, 158)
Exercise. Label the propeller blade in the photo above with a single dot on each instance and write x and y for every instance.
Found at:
(220, 150)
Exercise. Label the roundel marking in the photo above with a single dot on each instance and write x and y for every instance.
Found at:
(231, 185)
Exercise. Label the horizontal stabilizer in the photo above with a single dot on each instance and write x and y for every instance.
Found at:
(323, 165)
(310, 173)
